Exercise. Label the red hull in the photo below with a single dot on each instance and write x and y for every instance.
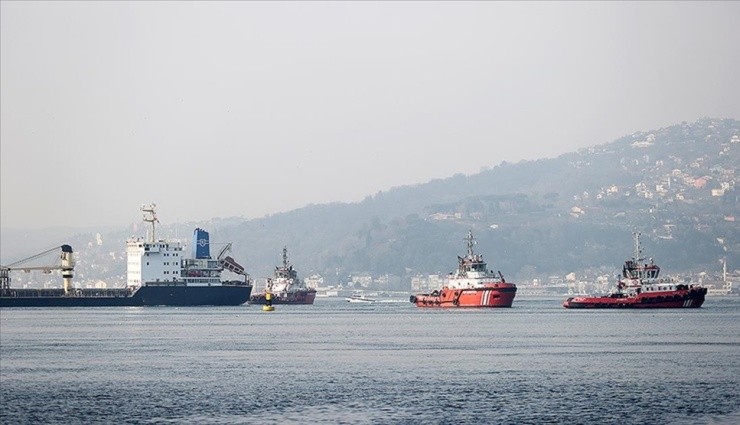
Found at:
(684, 298)
(299, 297)
(493, 295)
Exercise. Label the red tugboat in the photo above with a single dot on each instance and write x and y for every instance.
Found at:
(640, 287)
(471, 285)
(285, 287)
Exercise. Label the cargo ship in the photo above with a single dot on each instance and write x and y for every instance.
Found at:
(471, 285)
(157, 275)
(285, 286)
(640, 286)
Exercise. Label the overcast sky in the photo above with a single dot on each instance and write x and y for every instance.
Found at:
(251, 108)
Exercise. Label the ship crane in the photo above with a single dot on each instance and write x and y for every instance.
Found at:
(66, 265)
(229, 263)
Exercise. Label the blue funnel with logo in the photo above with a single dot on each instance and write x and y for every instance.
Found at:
(201, 244)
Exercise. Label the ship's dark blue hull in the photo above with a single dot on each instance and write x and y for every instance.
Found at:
(150, 295)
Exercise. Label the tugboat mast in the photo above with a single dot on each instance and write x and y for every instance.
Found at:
(471, 241)
(638, 247)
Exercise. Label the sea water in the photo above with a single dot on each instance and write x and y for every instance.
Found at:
(386, 362)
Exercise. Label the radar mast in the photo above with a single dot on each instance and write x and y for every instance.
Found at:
(471, 242)
(638, 247)
(150, 216)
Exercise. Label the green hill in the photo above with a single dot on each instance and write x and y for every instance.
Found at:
(576, 212)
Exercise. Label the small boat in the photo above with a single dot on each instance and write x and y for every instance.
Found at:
(360, 298)
(471, 285)
(641, 287)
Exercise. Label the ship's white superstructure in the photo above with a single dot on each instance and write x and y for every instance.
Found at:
(153, 261)
(286, 278)
(472, 271)
(161, 262)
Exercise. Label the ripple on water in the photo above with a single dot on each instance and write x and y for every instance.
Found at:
(393, 364)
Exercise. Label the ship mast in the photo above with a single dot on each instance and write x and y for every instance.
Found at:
(285, 257)
(150, 216)
(638, 247)
(471, 241)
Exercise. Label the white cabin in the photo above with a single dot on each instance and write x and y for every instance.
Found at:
(151, 262)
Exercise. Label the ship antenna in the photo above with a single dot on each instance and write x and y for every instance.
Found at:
(150, 216)
(285, 256)
(471, 242)
(638, 247)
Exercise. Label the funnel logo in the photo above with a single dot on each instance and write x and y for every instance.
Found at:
(202, 242)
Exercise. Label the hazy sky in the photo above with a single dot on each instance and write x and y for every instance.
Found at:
(250, 108)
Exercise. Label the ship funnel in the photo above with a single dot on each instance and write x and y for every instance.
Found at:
(201, 244)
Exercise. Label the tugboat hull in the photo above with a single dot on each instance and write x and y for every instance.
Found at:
(298, 297)
(641, 287)
(684, 298)
(494, 295)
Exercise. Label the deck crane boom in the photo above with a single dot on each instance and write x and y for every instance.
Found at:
(66, 265)
(223, 251)
(229, 263)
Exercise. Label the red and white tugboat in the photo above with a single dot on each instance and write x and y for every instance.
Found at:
(285, 287)
(471, 285)
(640, 287)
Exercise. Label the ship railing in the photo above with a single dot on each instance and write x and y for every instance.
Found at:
(59, 292)
(166, 283)
(237, 282)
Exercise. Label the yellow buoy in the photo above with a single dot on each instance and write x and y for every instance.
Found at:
(268, 302)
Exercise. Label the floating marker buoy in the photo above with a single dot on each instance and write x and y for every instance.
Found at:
(268, 302)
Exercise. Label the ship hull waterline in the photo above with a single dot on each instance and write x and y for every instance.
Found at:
(295, 298)
(159, 295)
(693, 298)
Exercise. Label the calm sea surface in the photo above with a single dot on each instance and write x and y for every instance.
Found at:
(390, 362)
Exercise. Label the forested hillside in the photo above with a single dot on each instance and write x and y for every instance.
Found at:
(576, 212)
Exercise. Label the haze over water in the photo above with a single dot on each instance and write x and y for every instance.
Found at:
(245, 109)
(336, 362)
